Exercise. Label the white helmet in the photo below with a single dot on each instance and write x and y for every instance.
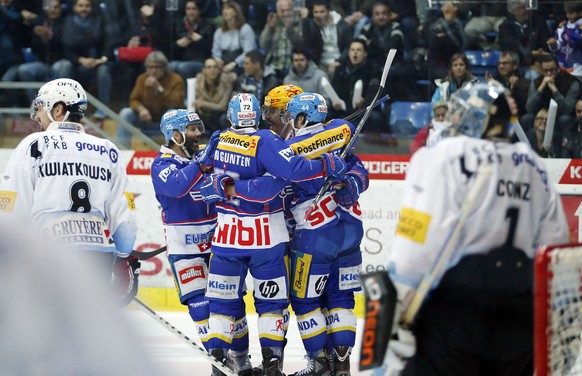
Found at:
(62, 90)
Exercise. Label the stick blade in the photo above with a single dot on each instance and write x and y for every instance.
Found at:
(380, 308)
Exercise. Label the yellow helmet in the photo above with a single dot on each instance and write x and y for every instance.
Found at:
(281, 95)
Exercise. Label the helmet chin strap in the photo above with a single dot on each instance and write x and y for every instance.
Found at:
(181, 145)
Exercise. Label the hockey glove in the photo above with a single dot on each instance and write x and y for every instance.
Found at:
(205, 157)
(212, 189)
(333, 165)
(349, 189)
(126, 279)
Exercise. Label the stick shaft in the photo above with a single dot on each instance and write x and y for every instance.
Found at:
(199, 349)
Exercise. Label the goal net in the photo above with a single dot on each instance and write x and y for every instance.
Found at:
(558, 310)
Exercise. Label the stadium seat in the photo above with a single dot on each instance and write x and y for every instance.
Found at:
(406, 118)
(29, 56)
(483, 61)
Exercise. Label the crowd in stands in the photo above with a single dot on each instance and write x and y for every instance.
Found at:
(233, 46)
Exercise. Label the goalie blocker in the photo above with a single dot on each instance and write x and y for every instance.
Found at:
(381, 301)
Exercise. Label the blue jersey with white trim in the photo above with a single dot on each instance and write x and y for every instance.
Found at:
(188, 221)
(250, 221)
(312, 142)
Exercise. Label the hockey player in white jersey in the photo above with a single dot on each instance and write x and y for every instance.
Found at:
(478, 317)
(70, 187)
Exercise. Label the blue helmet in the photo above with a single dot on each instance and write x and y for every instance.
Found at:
(312, 105)
(482, 110)
(178, 120)
(244, 111)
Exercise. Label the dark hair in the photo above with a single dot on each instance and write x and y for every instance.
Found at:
(460, 56)
(360, 41)
(300, 50)
(256, 56)
(325, 3)
(572, 6)
(546, 58)
(513, 56)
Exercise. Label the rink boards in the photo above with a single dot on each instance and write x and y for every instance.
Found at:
(379, 206)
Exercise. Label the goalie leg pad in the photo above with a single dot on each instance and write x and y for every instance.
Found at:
(190, 275)
(341, 327)
(271, 332)
(313, 331)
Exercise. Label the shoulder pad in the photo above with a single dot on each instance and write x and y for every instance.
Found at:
(562, 23)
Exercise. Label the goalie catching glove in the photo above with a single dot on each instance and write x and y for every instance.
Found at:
(212, 189)
(125, 278)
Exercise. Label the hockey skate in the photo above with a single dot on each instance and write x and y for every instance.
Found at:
(240, 362)
(217, 354)
(318, 366)
(341, 360)
(270, 364)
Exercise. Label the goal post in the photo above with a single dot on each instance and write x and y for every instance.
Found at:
(558, 310)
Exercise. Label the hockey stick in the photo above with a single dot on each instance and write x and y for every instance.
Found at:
(350, 143)
(362, 110)
(148, 255)
(484, 172)
(199, 349)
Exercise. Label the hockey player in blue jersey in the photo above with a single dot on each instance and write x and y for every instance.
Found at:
(325, 248)
(251, 234)
(177, 173)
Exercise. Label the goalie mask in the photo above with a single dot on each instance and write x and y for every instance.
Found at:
(244, 111)
(482, 110)
(63, 90)
(311, 105)
(179, 120)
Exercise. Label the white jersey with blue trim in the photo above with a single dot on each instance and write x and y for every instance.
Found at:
(188, 221)
(517, 206)
(248, 222)
(72, 187)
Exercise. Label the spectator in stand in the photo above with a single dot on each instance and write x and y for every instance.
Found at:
(305, 74)
(84, 41)
(554, 84)
(12, 38)
(566, 43)
(445, 37)
(486, 17)
(571, 145)
(47, 47)
(154, 92)
(285, 31)
(213, 91)
(404, 12)
(523, 33)
(194, 42)
(233, 39)
(335, 33)
(433, 132)
(537, 133)
(257, 78)
(459, 75)
(508, 75)
(356, 13)
(382, 35)
(354, 69)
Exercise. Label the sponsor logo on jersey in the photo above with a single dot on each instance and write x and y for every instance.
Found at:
(320, 284)
(323, 142)
(332, 319)
(85, 230)
(130, 200)
(222, 287)
(305, 325)
(269, 289)
(349, 278)
(413, 225)
(323, 213)
(246, 115)
(166, 155)
(101, 149)
(74, 169)
(199, 239)
(244, 232)
(301, 274)
(287, 154)
(238, 143)
(191, 273)
(7, 201)
(166, 172)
